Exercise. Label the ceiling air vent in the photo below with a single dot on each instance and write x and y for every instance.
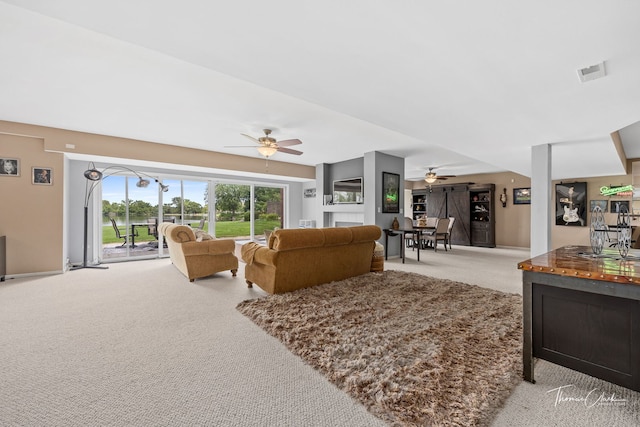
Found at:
(591, 73)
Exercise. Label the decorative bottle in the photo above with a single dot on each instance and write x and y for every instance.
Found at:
(395, 224)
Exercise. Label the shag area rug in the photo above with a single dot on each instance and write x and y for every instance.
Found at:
(415, 350)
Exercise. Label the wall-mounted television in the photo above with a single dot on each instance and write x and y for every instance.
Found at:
(347, 190)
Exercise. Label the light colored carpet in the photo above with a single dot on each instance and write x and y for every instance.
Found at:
(138, 344)
(413, 349)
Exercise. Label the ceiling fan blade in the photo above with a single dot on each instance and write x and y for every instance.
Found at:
(289, 151)
(251, 138)
(289, 142)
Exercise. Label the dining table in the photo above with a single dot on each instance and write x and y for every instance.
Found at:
(417, 232)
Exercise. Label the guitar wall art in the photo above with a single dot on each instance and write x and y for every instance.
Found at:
(571, 204)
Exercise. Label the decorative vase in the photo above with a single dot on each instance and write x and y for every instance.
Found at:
(395, 224)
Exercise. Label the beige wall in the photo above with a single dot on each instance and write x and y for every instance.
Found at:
(562, 235)
(31, 216)
(513, 222)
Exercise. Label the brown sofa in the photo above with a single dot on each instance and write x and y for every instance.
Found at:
(196, 259)
(300, 258)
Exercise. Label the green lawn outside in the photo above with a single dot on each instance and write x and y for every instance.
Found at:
(223, 229)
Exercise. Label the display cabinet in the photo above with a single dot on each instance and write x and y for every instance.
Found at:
(482, 215)
(419, 203)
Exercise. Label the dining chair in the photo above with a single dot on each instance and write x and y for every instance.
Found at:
(439, 234)
(451, 221)
(409, 238)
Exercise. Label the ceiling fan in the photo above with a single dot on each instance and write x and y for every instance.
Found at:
(268, 146)
(432, 177)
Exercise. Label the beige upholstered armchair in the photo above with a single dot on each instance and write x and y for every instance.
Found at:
(196, 259)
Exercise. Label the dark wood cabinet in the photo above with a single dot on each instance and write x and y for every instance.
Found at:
(583, 312)
(474, 224)
(482, 215)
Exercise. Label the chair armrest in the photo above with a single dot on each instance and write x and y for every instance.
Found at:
(211, 247)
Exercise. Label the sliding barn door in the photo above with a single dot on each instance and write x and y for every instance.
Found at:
(459, 207)
(436, 202)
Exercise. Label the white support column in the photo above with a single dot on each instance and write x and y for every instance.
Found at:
(541, 199)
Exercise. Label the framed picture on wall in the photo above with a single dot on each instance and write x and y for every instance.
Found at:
(9, 166)
(615, 205)
(522, 196)
(390, 192)
(41, 176)
(571, 204)
(603, 204)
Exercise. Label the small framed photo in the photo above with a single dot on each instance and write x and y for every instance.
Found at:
(615, 206)
(522, 196)
(9, 166)
(41, 176)
(603, 204)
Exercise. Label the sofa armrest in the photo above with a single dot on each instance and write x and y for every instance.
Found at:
(253, 253)
(210, 247)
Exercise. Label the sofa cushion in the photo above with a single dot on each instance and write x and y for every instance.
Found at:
(284, 240)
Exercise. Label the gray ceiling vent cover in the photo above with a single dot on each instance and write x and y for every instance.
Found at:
(591, 73)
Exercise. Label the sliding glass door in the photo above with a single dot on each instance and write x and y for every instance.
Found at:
(126, 212)
(131, 214)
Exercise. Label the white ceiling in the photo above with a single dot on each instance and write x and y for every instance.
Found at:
(465, 86)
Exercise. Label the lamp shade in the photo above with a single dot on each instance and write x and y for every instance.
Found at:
(430, 177)
(267, 151)
(142, 183)
(93, 174)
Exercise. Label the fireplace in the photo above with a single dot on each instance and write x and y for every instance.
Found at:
(347, 223)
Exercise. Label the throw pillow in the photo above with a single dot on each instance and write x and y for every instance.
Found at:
(201, 235)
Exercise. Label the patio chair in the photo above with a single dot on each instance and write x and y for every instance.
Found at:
(200, 225)
(152, 228)
(122, 235)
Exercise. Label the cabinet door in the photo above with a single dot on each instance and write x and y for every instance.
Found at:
(480, 233)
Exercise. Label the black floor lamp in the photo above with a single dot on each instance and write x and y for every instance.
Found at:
(94, 176)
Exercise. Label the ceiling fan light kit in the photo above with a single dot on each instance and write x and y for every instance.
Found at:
(268, 146)
(267, 150)
(432, 177)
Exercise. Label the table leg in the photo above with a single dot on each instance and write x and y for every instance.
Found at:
(419, 243)
(402, 249)
(133, 236)
(527, 339)
(386, 245)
